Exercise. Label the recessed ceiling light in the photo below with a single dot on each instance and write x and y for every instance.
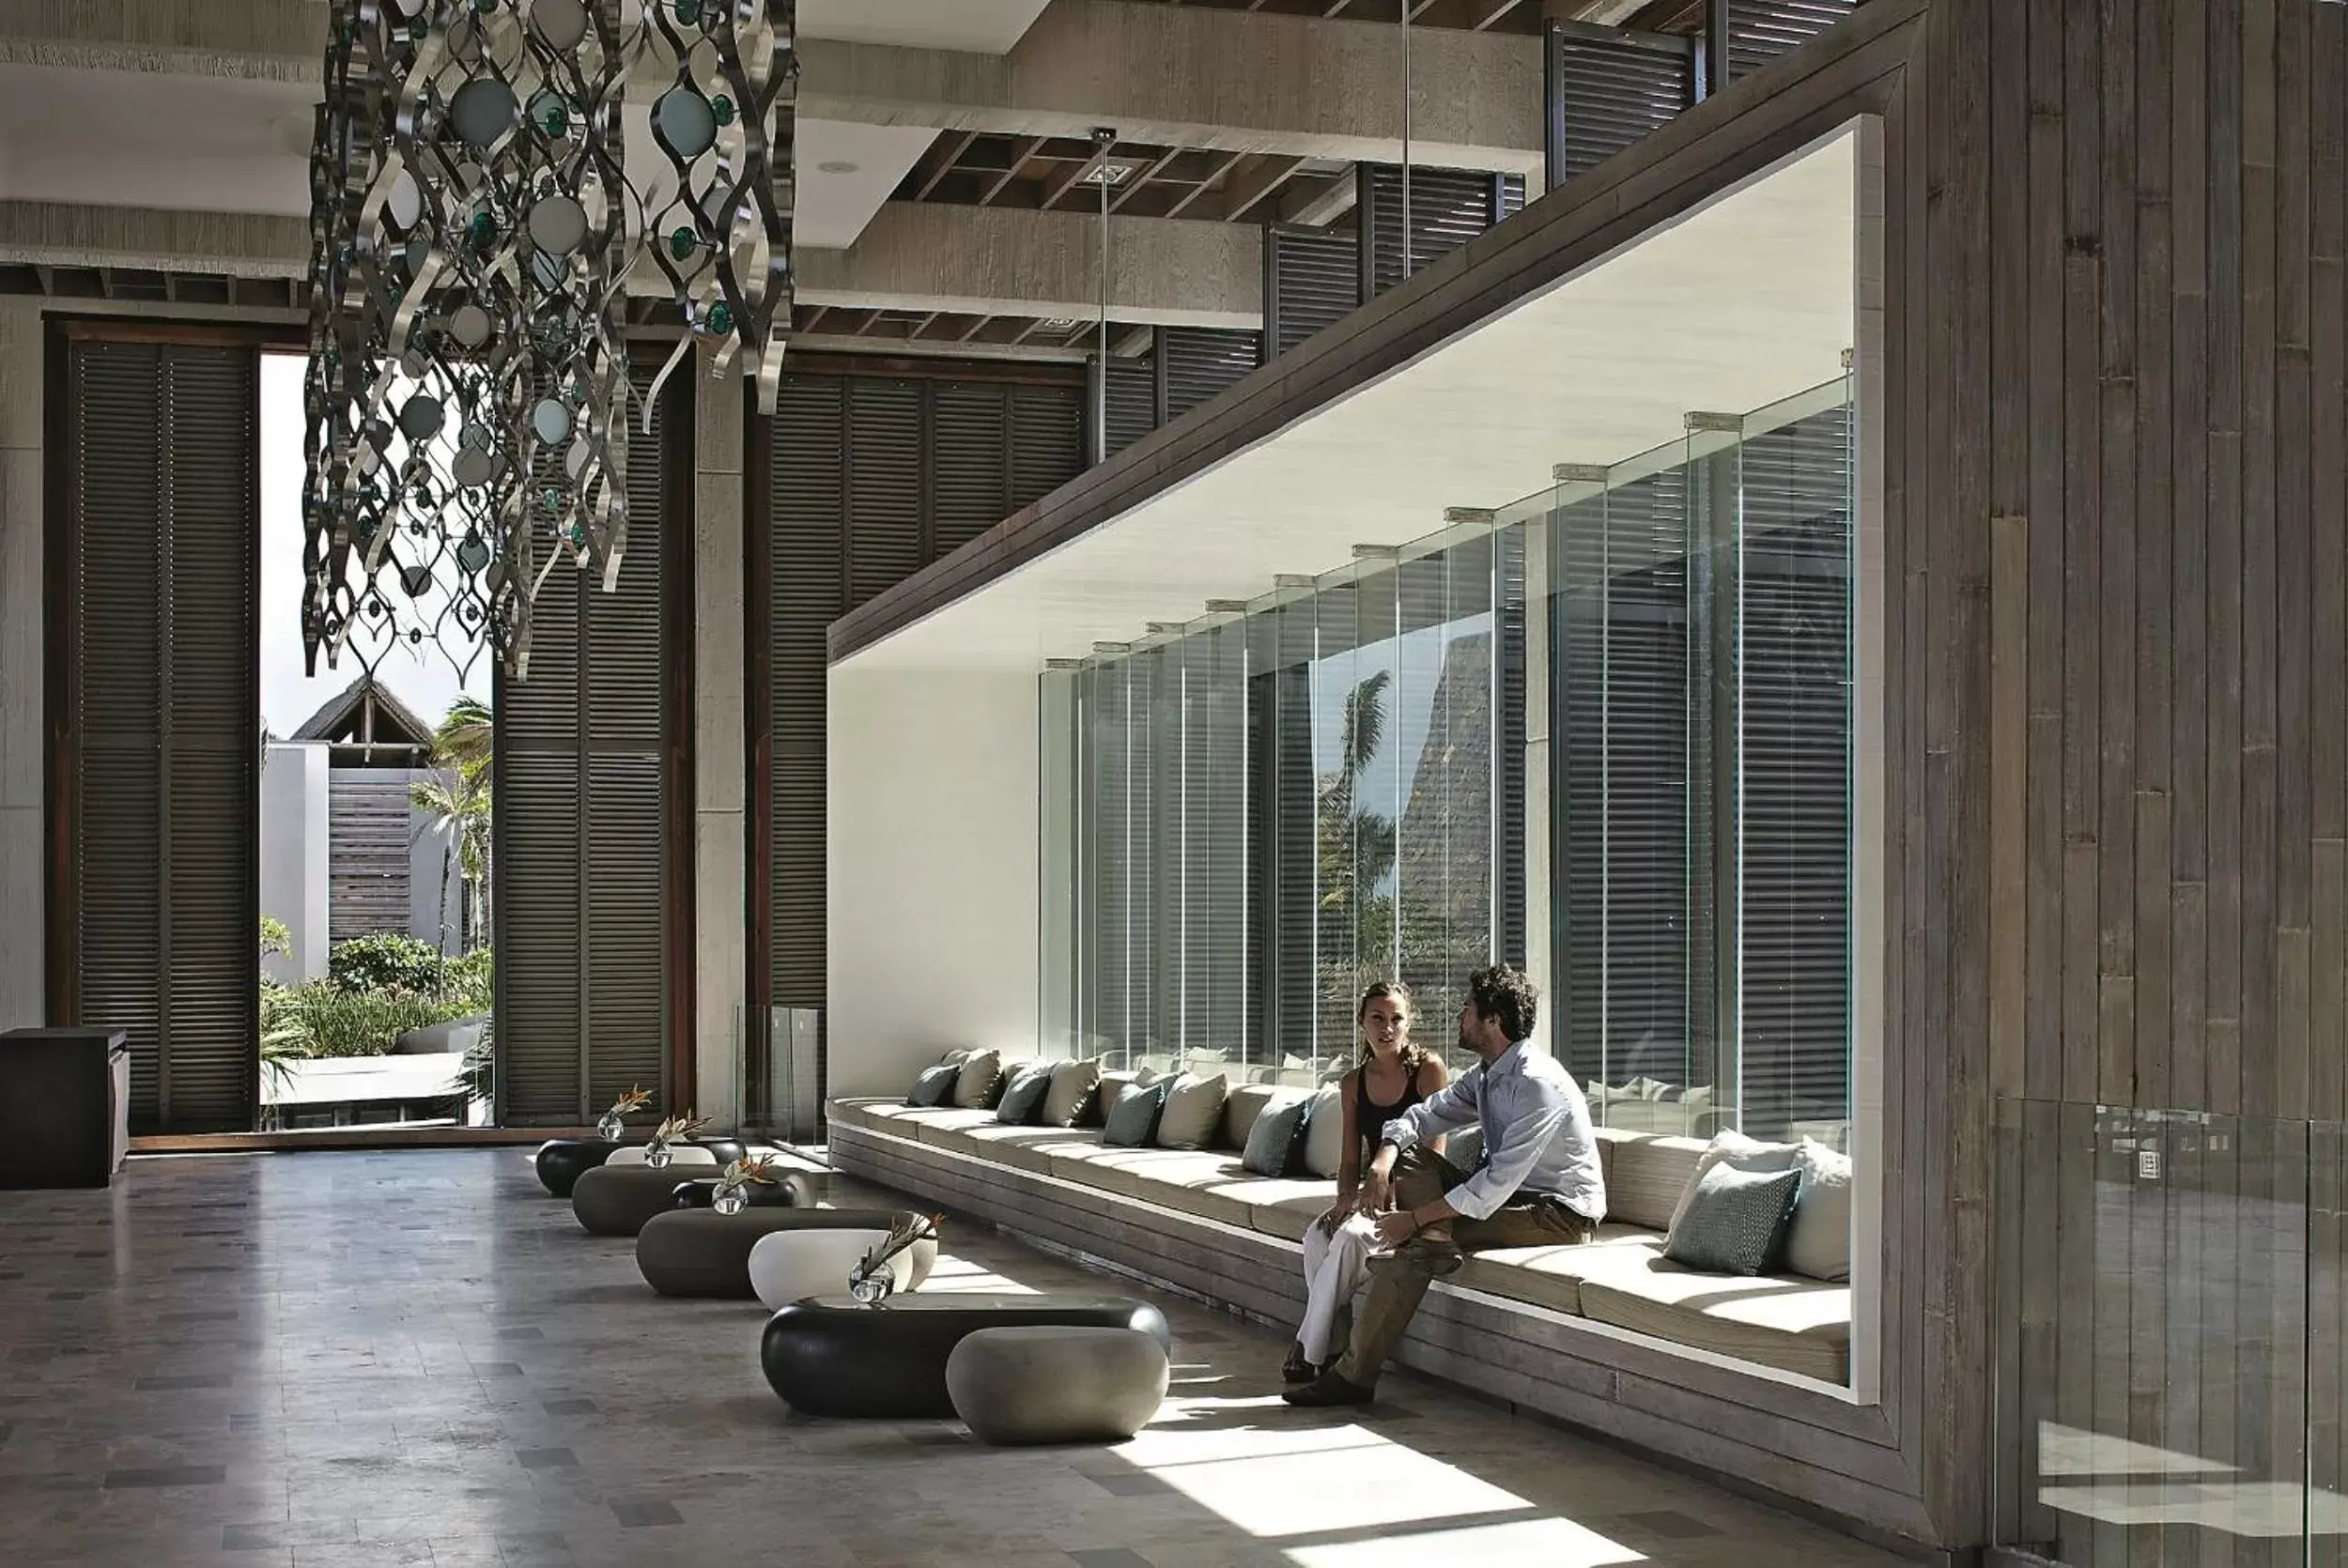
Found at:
(1060, 323)
(837, 166)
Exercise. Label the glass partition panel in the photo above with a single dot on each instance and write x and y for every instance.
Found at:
(2155, 1346)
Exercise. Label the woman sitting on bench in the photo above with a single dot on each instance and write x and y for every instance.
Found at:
(1392, 1075)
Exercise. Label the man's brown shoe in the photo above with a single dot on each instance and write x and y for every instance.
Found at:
(1328, 1390)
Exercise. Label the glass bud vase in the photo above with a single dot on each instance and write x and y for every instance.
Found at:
(873, 1288)
(611, 1129)
(657, 1156)
(729, 1199)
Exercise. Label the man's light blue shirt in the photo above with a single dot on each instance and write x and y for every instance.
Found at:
(1537, 1139)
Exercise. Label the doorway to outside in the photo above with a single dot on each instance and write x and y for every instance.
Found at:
(377, 806)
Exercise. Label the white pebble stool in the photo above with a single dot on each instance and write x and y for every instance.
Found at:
(791, 1265)
(686, 1154)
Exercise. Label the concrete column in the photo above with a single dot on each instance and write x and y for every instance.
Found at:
(23, 886)
(720, 824)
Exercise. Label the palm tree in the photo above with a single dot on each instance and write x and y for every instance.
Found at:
(459, 803)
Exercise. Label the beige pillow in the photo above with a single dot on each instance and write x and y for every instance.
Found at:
(1240, 1107)
(1072, 1084)
(1194, 1108)
(1324, 1132)
(1736, 1150)
(1817, 1243)
(981, 1073)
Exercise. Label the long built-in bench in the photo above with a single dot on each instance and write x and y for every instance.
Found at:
(1036, 1175)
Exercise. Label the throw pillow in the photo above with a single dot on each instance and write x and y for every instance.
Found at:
(1240, 1107)
(981, 1082)
(1072, 1084)
(1735, 1222)
(1134, 1115)
(1733, 1148)
(1194, 1108)
(1276, 1137)
(1818, 1244)
(935, 1084)
(1022, 1097)
(1109, 1091)
(1325, 1131)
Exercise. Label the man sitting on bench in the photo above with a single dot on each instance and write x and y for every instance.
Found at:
(1541, 1183)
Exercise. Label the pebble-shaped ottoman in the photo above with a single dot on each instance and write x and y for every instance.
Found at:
(616, 1200)
(559, 1162)
(790, 1265)
(681, 1155)
(1056, 1384)
(831, 1355)
(699, 1252)
(787, 1190)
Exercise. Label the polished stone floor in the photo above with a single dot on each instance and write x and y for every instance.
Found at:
(418, 1358)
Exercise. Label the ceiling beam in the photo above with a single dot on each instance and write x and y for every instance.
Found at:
(1254, 81)
(1187, 197)
(939, 162)
(1242, 191)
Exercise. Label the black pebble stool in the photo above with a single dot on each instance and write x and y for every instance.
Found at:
(616, 1200)
(831, 1355)
(701, 1253)
(561, 1162)
(788, 1190)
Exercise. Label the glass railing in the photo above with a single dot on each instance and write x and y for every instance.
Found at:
(2171, 1320)
(778, 1075)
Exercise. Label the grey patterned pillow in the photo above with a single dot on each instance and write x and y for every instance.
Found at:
(1735, 1221)
(1276, 1137)
(1022, 1097)
(1134, 1117)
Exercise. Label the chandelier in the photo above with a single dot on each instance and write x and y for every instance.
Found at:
(476, 232)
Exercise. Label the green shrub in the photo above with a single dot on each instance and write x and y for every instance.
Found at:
(318, 1019)
(384, 961)
(275, 937)
(470, 981)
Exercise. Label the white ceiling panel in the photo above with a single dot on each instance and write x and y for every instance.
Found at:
(1745, 302)
(984, 27)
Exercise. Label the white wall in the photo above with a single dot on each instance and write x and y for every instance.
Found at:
(293, 856)
(933, 782)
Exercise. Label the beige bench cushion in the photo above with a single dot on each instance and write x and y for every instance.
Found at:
(1797, 1325)
(1285, 1207)
(1551, 1276)
(858, 1112)
(1189, 1182)
(1025, 1148)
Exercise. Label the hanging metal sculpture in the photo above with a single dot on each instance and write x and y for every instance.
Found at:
(476, 231)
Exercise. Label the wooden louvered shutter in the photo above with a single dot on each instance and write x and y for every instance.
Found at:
(885, 456)
(1794, 773)
(161, 584)
(1197, 362)
(1448, 207)
(1606, 88)
(970, 444)
(580, 826)
(1312, 279)
(1133, 402)
(810, 477)
(1047, 441)
(1761, 30)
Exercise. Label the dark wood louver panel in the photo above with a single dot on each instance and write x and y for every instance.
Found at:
(1197, 362)
(1448, 207)
(970, 462)
(1133, 402)
(580, 828)
(1312, 278)
(873, 478)
(161, 547)
(1794, 921)
(1607, 88)
(1761, 30)
(885, 498)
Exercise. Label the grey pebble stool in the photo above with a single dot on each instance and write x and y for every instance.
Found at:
(699, 1252)
(1064, 1384)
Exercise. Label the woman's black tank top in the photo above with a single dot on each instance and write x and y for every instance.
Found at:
(1369, 1117)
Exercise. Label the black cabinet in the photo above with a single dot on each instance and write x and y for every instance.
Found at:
(65, 1106)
